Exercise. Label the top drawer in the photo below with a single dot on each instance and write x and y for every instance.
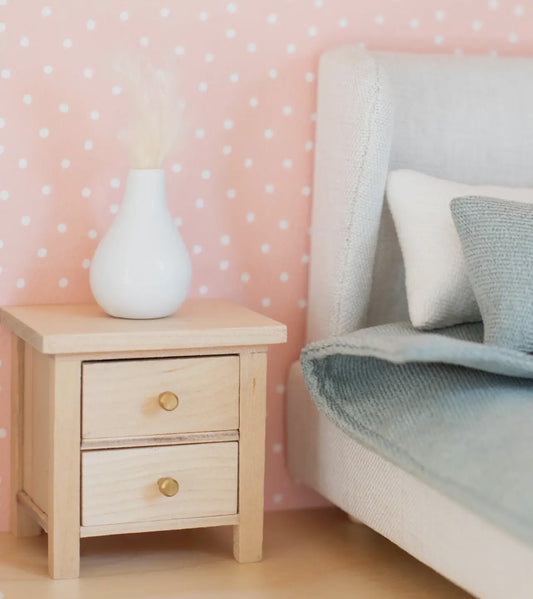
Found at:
(123, 398)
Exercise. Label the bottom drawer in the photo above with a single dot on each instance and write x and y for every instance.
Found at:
(129, 485)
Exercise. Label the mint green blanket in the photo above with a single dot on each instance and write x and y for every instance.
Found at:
(454, 412)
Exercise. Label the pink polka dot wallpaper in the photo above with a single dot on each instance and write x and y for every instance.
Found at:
(240, 182)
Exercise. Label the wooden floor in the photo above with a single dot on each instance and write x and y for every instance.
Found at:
(308, 554)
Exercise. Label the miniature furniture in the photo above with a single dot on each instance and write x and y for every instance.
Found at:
(123, 426)
(467, 119)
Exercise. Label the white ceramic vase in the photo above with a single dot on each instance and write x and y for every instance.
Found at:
(141, 268)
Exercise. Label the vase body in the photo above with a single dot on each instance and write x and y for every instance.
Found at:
(141, 268)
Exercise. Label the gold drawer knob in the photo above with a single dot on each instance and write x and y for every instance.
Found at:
(168, 401)
(168, 486)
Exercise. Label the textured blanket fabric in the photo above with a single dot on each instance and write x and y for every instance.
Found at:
(454, 412)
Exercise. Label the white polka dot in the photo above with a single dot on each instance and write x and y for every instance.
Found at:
(265, 248)
(312, 31)
(4, 195)
(46, 11)
(309, 145)
(200, 203)
(440, 15)
(203, 16)
(202, 86)
(61, 228)
(41, 252)
(280, 389)
(278, 497)
(494, 4)
(254, 102)
(234, 77)
(86, 263)
(269, 134)
(206, 174)
(477, 25)
(287, 110)
(63, 282)
(224, 265)
(248, 163)
(114, 208)
(86, 192)
(277, 447)
(287, 163)
(88, 144)
(91, 25)
(203, 290)
(283, 224)
(343, 22)
(2, 123)
(179, 50)
(116, 90)
(2, 148)
(178, 221)
(2, 27)
(124, 15)
(88, 72)
(5, 73)
(306, 190)
(245, 277)
(3, 433)
(272, 18)
(67, 43)
(1, 244)
(225, 240)
(273, 73)
(379, 19)
(23, 163)
(250, 217)
(414, 23)
(231, 7)
(209, 57)
(284, 277)
(197, 249)
(24, 41)
(305, 258)
(302, 303)
(115, 183)
(25, 221)
(518, 10)
(144, 41)
(65, 163)
(226, 150)
(164, 12)
(47, 69)
(46, 190)
(176, 168)
(265, 302)
(269, 188)
(63, 107)
(309, 77)
(199, 133)
(291, 48)
(230, 34)
(231, 193)
(92, 234)
(513, 38)
(95, 115)
(44, 132)
(21, 283)
(251, 47)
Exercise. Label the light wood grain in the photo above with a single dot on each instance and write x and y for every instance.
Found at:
(248, 539)
(74, 329)
(36, 426)
(120, 485)
(120, 398)
(309, 554)
(158, 525)
(22, 524)
(64, 468)
(183, 439)
(26, 502)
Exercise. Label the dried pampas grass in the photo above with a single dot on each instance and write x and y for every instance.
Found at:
(155, 120)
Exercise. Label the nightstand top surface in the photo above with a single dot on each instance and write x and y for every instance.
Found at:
(86, 328)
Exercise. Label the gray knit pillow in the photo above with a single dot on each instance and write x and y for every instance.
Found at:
(497, 241)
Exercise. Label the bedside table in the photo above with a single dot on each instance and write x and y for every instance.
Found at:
(122, 426)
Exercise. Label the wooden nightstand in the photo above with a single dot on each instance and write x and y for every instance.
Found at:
(122, 426)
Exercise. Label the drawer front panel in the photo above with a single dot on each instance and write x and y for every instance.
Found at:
(123, 398)
(128, 485)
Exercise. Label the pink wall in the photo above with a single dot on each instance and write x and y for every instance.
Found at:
(240, 185)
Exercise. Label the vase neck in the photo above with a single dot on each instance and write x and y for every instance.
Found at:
(145, 192)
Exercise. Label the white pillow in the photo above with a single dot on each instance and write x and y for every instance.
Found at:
(438, 291)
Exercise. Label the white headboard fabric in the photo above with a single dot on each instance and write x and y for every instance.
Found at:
(468, 119)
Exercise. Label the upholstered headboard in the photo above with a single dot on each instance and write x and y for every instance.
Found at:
(469, 119)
